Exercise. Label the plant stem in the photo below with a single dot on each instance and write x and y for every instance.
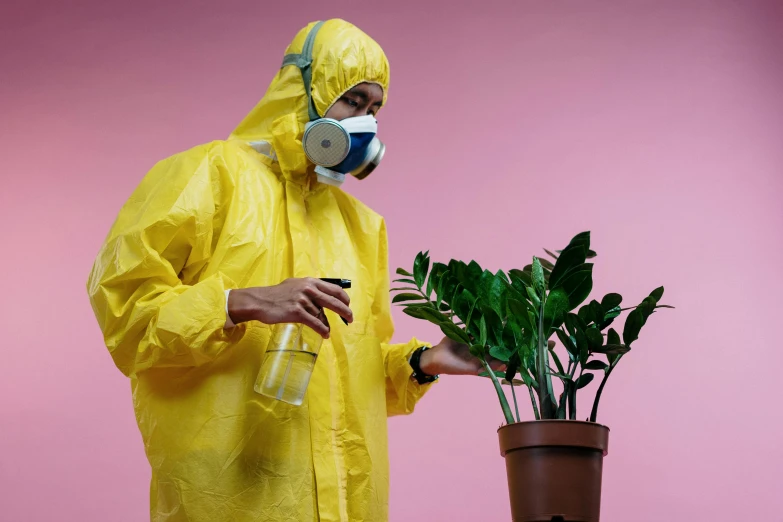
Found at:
(514, 395)
(572, 395)
(499, 390)
(557, 361)
(594, 412)
(544, 379)
(533, 400)
(561, 406)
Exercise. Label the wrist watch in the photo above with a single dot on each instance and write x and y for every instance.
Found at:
(418, 375)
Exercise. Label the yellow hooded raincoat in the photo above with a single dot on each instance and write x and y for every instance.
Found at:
(247, 212)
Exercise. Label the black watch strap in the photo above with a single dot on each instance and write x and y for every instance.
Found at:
(415, 361)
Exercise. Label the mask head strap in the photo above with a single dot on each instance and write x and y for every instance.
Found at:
(305, 61)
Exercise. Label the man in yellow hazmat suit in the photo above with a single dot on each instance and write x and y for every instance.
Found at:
(218, 243)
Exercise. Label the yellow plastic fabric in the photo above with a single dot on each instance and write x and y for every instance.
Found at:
(223, 215)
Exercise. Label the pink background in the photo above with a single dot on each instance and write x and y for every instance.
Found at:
(657, 125)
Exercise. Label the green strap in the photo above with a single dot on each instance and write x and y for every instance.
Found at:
(304, 61)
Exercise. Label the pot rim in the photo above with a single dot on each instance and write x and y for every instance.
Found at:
(553, 421)
(553, 433)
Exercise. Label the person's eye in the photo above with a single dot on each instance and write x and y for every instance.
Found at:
(352, 103)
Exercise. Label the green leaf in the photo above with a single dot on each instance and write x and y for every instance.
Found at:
(568, 344)
(611, 314)
(657, 293)
(595, 364)
(518, 311)
(594, 339)
(633, 325)
(582, 239)
(404, 272)
(555, 309)
(403, 289)
(571, 323)
(439, 287)
(590, 254)
(406, 281)
(463, 302)
(520, 278)
(426, 312)
(578, 284)
(502, 377)
(546, 264)
(527, 378)
(512, 335)
(586, 314)
(494, 326)
(475, 319)
(584, 380)
(454, 332)
(421, 266)
(612, 337)
(551, 254)
(664, 306)
(539, 283)
(597, 312)
(512, 367)
(558, 364)
(646, 307)
(527, 350)
(438, 269)
(473, 274)
(477, 350)
(611, 301)
(399, 298)
(449, 289)
(482, 331)
(533, 297)
(469, 318)
(571, 258)
(492, 290)
(467, 275)
(500, 353)
(582, 345)
(613, 349)
(417, 312)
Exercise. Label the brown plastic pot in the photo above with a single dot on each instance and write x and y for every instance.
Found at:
(554, 469)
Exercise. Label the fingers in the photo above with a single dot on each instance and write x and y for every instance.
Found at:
(498, 365)
(333, 290)
(311, 308)
(317, 322)
(326, 300)
(313, 316)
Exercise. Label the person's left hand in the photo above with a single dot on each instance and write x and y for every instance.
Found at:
(452, 358)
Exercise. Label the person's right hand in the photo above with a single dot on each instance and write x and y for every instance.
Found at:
(292, 301)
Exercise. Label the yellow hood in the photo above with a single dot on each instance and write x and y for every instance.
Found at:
(342, 57)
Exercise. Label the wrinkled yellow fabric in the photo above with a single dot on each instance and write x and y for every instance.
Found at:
(223, 215)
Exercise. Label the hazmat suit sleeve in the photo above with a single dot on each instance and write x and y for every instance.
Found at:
(142, 286)
(402, 392)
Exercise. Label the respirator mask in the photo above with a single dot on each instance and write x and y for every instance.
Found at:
(348, 146)
(337, 148)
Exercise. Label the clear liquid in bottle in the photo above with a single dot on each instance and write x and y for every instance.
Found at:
(288, 363)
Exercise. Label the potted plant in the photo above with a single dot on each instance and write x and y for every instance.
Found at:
(554, 463)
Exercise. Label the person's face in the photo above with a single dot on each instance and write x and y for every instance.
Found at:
(364, 99)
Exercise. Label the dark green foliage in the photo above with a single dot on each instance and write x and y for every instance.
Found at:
(511, 316)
